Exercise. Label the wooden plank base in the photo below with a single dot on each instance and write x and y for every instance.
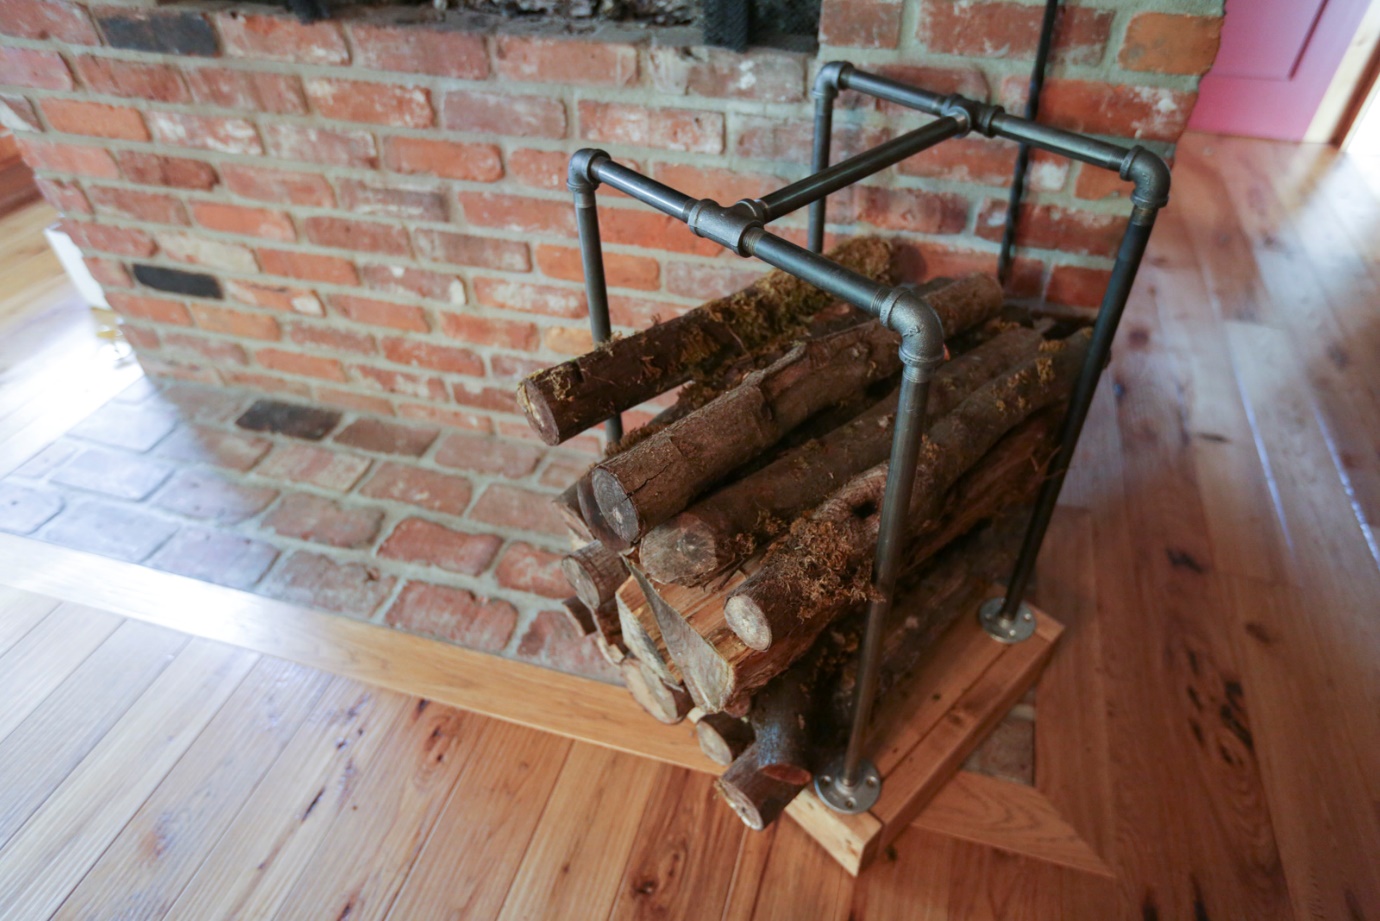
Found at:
(923, 733)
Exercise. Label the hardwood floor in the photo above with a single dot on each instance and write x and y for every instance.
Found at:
(1208, 725)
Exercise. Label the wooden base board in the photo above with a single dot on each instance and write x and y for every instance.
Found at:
(924, 733)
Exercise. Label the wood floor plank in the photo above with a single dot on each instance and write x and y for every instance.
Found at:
(45, 656)
(801, 880)
(748, 870)
(683, 860)
(48, 857)
(39, 754)
(372, 843)
(145, 868)
(258, 860)
(576, 857)
(20, 611)
(468, 864)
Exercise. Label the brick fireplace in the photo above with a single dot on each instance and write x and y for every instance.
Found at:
(369, 214)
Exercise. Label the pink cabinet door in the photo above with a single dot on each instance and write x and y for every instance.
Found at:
(1276, 60)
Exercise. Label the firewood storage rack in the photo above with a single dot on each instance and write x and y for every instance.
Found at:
(851, 783)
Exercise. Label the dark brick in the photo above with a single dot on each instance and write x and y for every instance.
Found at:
(454, 614)
(307, 422)
(213, 556)
(22, 510)
(428, 489)
(488, 454)
(109, 530)
(551, 641)
(387, 437)
(208, 495)
(322, 521)
(192, 284)
(137, 428)
(125, 476)
(199, 445)
(416, 540)
(315, 581)
(161, 33)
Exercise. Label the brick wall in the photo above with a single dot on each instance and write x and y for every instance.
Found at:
(372, 213)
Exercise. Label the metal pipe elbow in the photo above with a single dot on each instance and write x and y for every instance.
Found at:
(1150, 174)
(830, 79)
(580, 176)
(909, 314)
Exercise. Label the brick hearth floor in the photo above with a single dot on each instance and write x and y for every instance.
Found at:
(443, 533)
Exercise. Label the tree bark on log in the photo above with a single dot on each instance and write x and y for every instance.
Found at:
(828, 555)
(564, 400)
(595, 572)
(664, 702)
(758, 798)
(729, 525)
(780, 724)
(580, 616)
(722, 737)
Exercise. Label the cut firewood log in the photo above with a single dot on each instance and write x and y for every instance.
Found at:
(780, 725)
(726, 527)
(564, 400)
(580, 616)
(613, 654)
(723, 672)
(722, 737)
(642, 635)
(568, 506)
(647, 484)
(827, 556)
(665, 702)
(758, 798)
(595, 572)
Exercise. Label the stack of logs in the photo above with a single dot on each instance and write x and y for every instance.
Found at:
(724, 549)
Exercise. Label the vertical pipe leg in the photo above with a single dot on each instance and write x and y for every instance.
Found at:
(1007, 621)
(596, 290)
(819, 160)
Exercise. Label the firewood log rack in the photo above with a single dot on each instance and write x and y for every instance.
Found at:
(851, 783)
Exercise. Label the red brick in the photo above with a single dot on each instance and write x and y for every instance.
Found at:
(124, 476)
(641, 312)
(971, 159)
(769, 138)
(421, 49)
(551, 642)
(308, 266)
(320, 145)
(379, 199)
(387, 437)
(1169, 43)
(121, 241)
(63, 195)
(400, 382)
(518, 213)
(211, 496)
(1094, 183)
(201, 250)
(1011, 30)
(1076, 286)
(485, 331)
(252, 91)
(524, 568)
(428, 355)
(248, 222)
(95, 119)
(499, 113)
(416, 540)
(1051, 227)
(913, 210)
(380, 313)
(722, 185)
(928, 260)
(691, 130)
(364, 236)
(415, 486)
(471, 250)
(540, 169)
(195, 444)
(528, 298)
(316, 581)
(276, 185)
(204, 348)
(277, 38)
(564, 61)
(652, 230)
(149, 308)
(620, 269)
(206, 132)
(446, 159)
(110, 530)
(704, 280)
(511, 507)
(112, 77)
(349, 399)
(47, 19)
(565, 340)
(374, 103)
(966, 81)
(213, 556)
(175, 172)
(297, 363)
(268, 383)
(234, 322)
(68, 158)
(24, 510)
(18, 113)
(332, 339)
(303, 463)
(455, 615)
(145, 340)
(1147, 112)
(512, 368)
(40, 69)
(487, 454)
(860, 23)
(563, 469)
(407, 281)
(493, 398)
(762, 76)
(138, 206)
(108, 273)
(449, 416)
(275, 297)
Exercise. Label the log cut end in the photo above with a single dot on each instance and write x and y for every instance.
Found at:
(746, 618)
(689, 549)
(722, 737)
(665, 703)
(757, 799)
(619, 510)
(532, 398)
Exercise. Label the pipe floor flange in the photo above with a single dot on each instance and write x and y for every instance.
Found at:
(841, 797)
(1018, 629)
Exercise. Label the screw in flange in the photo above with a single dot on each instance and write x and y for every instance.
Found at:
(849, 798)
(1006, 630)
